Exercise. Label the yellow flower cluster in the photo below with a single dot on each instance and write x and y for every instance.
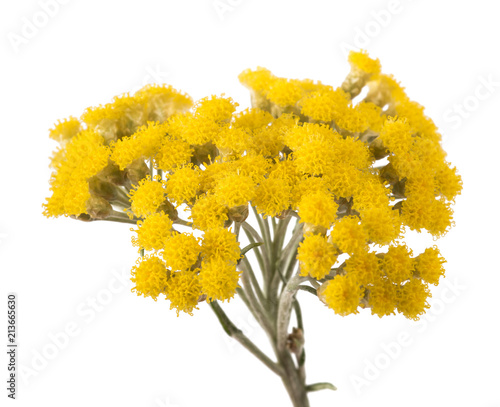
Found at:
(356, 174)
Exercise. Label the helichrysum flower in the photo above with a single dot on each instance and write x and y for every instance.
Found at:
(181, 251)
(220, 243)
(183, 290)
(316, 256)
(342, 294)
(145, 142)
(412, 298)
(429, 265)
(304, 150)
(153, 232)
(361, 61)
(397, 264)
(318, 209)
(150, 276)
(383, 296)
(219, 278)
(65, 130)
(349, 236)
(207, 213)
(272, 196)
(183, 184)
(382, 224)
(148, 196)
(364, 267)
(173, 153)
(235, 190)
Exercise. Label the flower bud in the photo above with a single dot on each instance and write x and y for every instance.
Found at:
(238, 213)
(310, 229)
(284, 214)
(378, 149)
(203, 153)
(111, 173)
(103, 189)
(168, 209)
(84, 217)
(295, 341)
(389, 174)
(98, 208)
(136, 171)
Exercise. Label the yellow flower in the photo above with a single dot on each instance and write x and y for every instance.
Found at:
(433, 215)
(181, 251)
(252, 165)
(258, 80)
(150, 276)
(316, 256)
(372, 114)
(363, 267)
(362, 62)
(357, 174)
(252, 119)
(68, 199)
(342, 294)
(115, 120)
(162, 101)
(183, 290)
(397, 135)
(398, 263)
(429, 265)
(217, 109)
(196, 130)
(183, 184)
(318, 208)
(145, 142)
(219, 279)
(220, 243)
(315, 157)
(85, 155)
(65, 130)
(272, 197)
(412, 299)
(349, 235)
(382, 297)
(206, 213)
(417, 120)
(382, 224)
(147, 197)
(266, 141)
(326, 106)
(235, 190)
(153, 232)
(284, 92)
(173, 153)
(449, 183)
(232, 140)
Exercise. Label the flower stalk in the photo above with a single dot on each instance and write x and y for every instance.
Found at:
(273, 303)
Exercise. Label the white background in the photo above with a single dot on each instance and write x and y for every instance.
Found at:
(135, 352)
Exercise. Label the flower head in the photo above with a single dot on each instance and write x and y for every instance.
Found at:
(219, 279)
(316, 256)
(150, 276)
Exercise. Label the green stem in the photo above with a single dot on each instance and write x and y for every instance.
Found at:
(254, 237)
(278, 275)
(238, 335)
(180, 221)
(253, 280)
(308, 289)
(285, 309)
(259, 311)
(320, 386)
